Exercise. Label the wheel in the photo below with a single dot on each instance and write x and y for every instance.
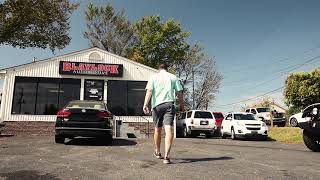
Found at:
(109, 140)
(223, 136)
(312, 142)
(233, 134)
(264, 138)
(185, 132)
(208, 135)
(59, 139)
(293, 122)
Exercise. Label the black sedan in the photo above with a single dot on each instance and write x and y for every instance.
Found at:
(84, 119)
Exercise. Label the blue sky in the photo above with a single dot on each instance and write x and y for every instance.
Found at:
(254, 42)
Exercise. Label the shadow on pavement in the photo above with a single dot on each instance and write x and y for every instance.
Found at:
(192, 160)
(27, 175)
(100, 142)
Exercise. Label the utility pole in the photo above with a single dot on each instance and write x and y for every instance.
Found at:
(193, 88)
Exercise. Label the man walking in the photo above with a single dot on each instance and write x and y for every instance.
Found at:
(163, 88)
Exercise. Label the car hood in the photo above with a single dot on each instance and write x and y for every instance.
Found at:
(249, 121)
(298, 115)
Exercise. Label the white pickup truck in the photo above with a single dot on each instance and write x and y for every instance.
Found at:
(264, 114)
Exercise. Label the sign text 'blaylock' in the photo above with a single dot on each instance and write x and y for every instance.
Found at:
(94, 69)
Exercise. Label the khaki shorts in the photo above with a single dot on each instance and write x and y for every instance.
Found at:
(163, 114)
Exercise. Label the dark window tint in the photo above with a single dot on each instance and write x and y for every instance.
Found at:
(69, 90)
(125, 98)
(218, 115)
(248, 110)
(189, 114)
(260, 110)
(24, 98)
(183, 115)
(202, 114)
(253, 111)
(136, 92)
(229, 117)
(244, 117)
(43, 96)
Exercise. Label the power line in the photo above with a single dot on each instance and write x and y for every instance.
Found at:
(280, 60)
(248, 99)
(282, 73)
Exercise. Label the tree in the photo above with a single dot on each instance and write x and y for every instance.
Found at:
(35, 23)
(302, 89)
(109, 30)
(159, 42)
(199, 73)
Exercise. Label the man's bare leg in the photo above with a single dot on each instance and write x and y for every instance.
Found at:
(168, 140)
(157, 138)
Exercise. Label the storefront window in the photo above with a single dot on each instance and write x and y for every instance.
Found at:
(24, 98)
(43, 96)
(125, 98)
(47, 96)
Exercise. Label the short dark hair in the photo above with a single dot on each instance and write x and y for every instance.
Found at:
(163, 66)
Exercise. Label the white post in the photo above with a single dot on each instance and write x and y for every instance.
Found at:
(82, 89)
(3, 98)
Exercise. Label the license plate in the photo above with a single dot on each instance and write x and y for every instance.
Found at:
(203, 122)
(254, 132)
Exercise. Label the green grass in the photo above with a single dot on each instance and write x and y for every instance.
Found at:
(286, 134)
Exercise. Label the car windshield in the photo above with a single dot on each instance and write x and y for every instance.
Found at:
(86, 105)
(244, 117)
(218, 115)
(202, 114)
(260, 110)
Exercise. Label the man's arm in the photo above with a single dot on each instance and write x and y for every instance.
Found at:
(146, 101)
(181, 100)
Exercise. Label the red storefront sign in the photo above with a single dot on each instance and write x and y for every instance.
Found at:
(94, 69)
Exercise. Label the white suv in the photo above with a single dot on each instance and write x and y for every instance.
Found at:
(196, 122)
(241, 124)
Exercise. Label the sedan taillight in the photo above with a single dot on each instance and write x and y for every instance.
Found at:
(64, 113)
(104, 114)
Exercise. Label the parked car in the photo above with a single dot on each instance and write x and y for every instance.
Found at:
(198, 122)
(293, 120)
(85, 119)
(243, 125)
(310, 123)
(264, 114)
(219, 118)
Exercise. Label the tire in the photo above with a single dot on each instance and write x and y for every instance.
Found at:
(233, 134)
(209, 135)
(59, 139)
(109, 140)
(293, 122)
(185, 132)
(223, 136)
(312, 142)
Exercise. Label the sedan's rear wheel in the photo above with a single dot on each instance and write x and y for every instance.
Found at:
(311, 141)
(59, 139)
(293, 122)
(223, 135)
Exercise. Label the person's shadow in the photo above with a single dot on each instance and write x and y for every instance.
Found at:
(100, 142)
(192, 160)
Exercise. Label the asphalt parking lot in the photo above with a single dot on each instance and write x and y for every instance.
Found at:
(40, 158)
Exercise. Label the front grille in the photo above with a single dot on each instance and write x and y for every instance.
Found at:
(252, 124)
(253, 128)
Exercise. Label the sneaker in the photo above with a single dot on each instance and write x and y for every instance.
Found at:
(166, 160)
(157, 155)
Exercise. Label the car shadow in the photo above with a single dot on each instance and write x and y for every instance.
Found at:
(193, 160)
(99, 142)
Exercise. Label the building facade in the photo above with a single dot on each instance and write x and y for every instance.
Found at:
(37, 90)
